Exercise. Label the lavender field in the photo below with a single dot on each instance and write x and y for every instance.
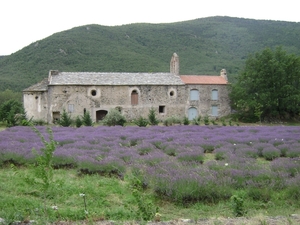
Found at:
(180, 163)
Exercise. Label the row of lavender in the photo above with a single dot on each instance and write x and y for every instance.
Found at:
(171, 159)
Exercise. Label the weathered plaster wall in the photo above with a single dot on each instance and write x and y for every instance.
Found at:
(35, 104)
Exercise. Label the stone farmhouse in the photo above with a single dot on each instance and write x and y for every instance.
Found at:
(134, 94)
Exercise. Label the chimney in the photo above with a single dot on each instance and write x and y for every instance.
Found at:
(51, 73)
(223, 74)
(174, 64)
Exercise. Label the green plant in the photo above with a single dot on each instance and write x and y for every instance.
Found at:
(113, 118)
(65, 120)
(78, 121)
(206, 120)
(186, 120)
(43, 168)
(146, 208)
(13, 113)
(238, 205)
(87, 119)
(214, 122)
(152, 117)
(141, 122)
(223, 121)
(197, 120)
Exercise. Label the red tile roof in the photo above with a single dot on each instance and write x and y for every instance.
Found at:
(199, 79)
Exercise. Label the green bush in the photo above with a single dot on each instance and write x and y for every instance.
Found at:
(206, 120)
(87, 119)
(186, 120)
(78, 122)
(65, 120)
(113, 118)
(197, 121)
(152, 117)
(271, 153)
(141, 122)
(13, 113)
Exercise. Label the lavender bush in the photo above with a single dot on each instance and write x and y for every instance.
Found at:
(180, 163)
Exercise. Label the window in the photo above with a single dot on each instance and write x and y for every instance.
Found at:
(161, 109)
(134, 97)
(214, 110)
(194, 95)
(172, 93)
(70, 108)
(214, 94)
(93, 92)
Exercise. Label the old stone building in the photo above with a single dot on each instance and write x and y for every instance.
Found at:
(170, 94)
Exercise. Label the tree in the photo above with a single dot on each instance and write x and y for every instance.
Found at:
(10, 95)
(12, 112)
(87, 119)
(65, 119)
(268, 87)
(152, 117)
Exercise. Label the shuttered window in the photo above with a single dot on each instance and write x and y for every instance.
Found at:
(214, 94)
(214, 110)
(134, 98)
(70, 108)
(194, 95)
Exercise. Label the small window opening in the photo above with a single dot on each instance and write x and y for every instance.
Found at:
(171, 93)
(161, 109)
(84, 111)
(36, 97)
(93, 92)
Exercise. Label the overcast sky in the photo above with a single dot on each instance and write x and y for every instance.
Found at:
(26, 21)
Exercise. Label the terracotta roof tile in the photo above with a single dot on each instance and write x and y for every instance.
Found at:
(199, 79)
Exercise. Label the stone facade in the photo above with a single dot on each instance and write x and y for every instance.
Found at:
(133, 93)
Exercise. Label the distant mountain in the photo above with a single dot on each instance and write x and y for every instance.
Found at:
(204, 46)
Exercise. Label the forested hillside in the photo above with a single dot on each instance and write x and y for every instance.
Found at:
(204, 46)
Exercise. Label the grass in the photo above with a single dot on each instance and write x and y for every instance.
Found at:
(106, 199)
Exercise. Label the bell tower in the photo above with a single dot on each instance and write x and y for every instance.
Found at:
(174, 64)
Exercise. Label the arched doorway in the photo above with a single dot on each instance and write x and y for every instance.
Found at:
(193, 113)
(100, 114)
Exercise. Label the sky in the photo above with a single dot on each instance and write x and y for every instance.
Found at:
(23, 22)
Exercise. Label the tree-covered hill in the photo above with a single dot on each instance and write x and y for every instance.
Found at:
(204, 46)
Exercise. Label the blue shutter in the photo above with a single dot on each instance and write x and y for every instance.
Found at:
(194, 95)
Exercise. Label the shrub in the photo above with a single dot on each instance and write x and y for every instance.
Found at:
(39, 122)
(208, 148)
(238, 205)
(65, 120)
(197, 121)
(152, 117)
(13, 113)
(206, 120)
(141, 122)
(193, 157)
(220, 156)
(78, 122)
(186, 120)
(260, 194)
(113, 118)
(223, 122)
(87, 119)
(270, 153)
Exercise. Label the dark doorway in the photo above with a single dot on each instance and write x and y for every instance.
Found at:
(100, 114)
